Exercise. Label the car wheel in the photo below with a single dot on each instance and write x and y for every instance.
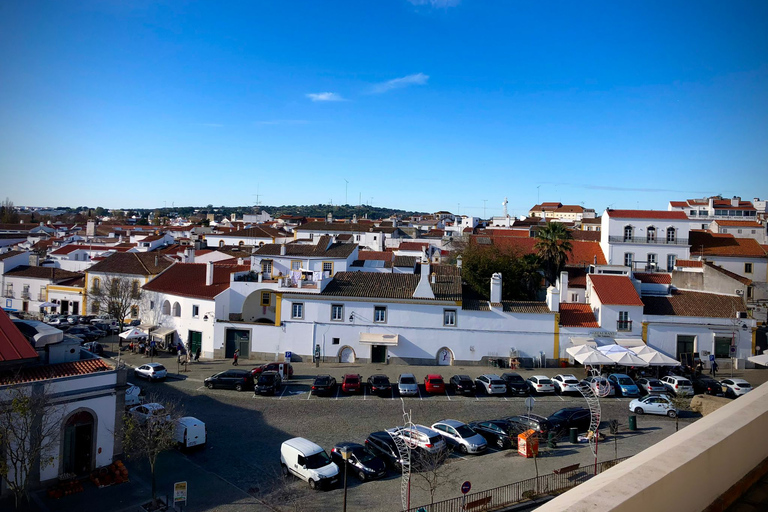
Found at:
(210, 386)
(238, 387)
(672, 414)
(312, 484)
(361, 475)
(639, 410)
(500, 443)
(284, 470)
(463, 449)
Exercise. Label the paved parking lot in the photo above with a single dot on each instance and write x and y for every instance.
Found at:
(245, 433)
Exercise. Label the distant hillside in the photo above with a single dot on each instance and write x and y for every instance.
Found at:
(338, 212)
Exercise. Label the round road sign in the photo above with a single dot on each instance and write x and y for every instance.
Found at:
(465, 487)
(529, 402)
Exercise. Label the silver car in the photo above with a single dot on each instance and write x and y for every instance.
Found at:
(461, 436)
(407, 385)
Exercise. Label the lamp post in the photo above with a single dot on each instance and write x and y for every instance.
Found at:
(345, 456)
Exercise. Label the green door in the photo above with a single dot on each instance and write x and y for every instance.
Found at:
(379, 354)
(237, 339)
(195, 341)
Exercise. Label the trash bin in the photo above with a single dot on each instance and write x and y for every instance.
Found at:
(633, 423)
(574, 435)
(551, 441)
(528, 444)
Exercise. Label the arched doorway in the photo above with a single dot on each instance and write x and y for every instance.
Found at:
(77, 444)
(347, 355)
(444, 357)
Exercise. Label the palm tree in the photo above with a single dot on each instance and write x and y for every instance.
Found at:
(553, 248)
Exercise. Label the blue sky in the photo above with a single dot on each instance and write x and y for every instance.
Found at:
(421, 105)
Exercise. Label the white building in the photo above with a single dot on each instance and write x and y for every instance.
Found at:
(25, 289)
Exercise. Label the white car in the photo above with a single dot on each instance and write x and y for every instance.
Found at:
(677, 385)
(461, 436)
(735, 387)
(308, 461)
(492, 384)
(566, 384)
(144, 412)
(541, 384)
(132, 395)
(407, 385)
(420, 437)
(653, 404)
(599, 386)
(151, 371)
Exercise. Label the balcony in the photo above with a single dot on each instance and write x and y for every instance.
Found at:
(8, 294)
(41, 297)
(624, 325)
(25, 295)
(645, 240)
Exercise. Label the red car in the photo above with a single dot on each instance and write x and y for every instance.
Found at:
(434, 384)
(351, 383)
(273, 367)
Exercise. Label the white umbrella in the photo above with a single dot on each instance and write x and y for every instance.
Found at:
(612, 349)
(658, 359)
(47, 305)
(579, 349)
(761, 359)
(627, 358)
(133, 334)
(593, 358)
(645, 349)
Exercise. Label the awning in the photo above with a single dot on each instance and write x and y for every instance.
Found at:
(580, 340)
(629, 342)
(370, 338)
(146, 327)
(163, 331)
(761, 359)
(47, 305)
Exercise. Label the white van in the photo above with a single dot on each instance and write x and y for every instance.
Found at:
(308, 461)
(190, 432)
(133, 395)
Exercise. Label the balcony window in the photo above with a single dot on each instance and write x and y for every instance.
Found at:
(651, 235)
(671, 260)
(671, 235)
(624, 323)
(652, 261)
(628, 231)
(628, 257)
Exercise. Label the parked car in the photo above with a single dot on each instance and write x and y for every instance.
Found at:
(735, 387)
(274, 367)
(565, 384)
(379, 384)
(190, 432)
(491, 384)
(600, 386)
(308, 461)
(238, 380)
(540, 384)
(82, 331)
(73, 319)
(407, 385)
(420, 437)
(107, 319)
(650, 386)
(706, 385)
(360, 461)
(623, 385)
(382, 445)
(94, 347)
(323, 385)
(95, 330)
(144, 412)
(677, 385)
(498, 433)
(653, 404)
(461, 436)
(462, 385)
(151, 371)
(110, 328)
(564, 420)
(268, 383)
(434, 384)
(524, 422)
(56, 320)
(133, 395)
(515, 383)
(351, 383)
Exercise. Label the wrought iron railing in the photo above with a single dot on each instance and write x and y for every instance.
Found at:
(624, 325)
(646, 240)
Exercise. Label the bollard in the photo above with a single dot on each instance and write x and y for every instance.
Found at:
(632, 423)
(574, 435)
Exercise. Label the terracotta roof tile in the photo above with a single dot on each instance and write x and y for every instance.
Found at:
(413, 246)
(55, 371)
(695, 304)
(653, 277)
(405, 261)
(646, 214)
(615, 290)
(508, 306)
(587, 236)
(188, 280)
(13, 345)
(705, 243)
(577, 315)
(320, 250)
(678, 204)
(54, 274)
(689, 263)
(375, 255)
(739, 223)
(133, 263)
(254, 232)
(394, 286)
(582, 252)
(10, 254)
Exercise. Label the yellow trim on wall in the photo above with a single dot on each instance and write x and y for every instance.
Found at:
(557, 337)
(322, 268)
(645, 333)
(278, 308)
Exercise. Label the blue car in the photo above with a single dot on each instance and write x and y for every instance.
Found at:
(624, 385)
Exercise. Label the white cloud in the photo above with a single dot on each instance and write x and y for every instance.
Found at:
(324, 96)
(436, 3)
(398, 83)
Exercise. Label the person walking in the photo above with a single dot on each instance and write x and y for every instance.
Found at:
(197, 354)
(713, 369)
(235, 356)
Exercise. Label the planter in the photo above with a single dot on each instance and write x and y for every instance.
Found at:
(159, 505)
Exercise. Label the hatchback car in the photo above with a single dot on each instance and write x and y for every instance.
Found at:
(382, 445)
(653, 404)
(491, 384)
(360, 461)
(407, 385)
(541, 384)
(623, 384)
(516, 385)
(268, 383)
(420, 437)
(524, 422)
(144, 412)
(564, 420)
(323, 385)
(565, 384)
(434, 384)
(351, 383)
(151, 371)
(600, 386)
(462, 385)
(498, 433)
(706, 385)
(238, 380)
(677, 385)
(735, 387)
(274, 367)
(650, 386)
(461, 436)
(379, 385)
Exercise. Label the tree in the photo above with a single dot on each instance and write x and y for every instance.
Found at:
(8, 214)
(430, 470)
(681, 402)
(30, 426)
(519, 274)
(116, 295)
(553, 247)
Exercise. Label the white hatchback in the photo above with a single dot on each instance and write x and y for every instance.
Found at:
(735, 387)
(541, 384)
(420, 437)
(492, 384)
(151, 371)
(566, 384)
(653, 404)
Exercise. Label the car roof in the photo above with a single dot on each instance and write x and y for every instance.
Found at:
(566, 375)
(348, 445)
(737, 380)
(434, 376)
(619, 375)
(462, 377)
(351, 375)
(153, 406)
(267, 374)
(407, 375)
(452, 423)
(378, 376)
(305, 446)
(540, 376)
(490, 376)
(154, 365)
(571, 409)
(425, 430)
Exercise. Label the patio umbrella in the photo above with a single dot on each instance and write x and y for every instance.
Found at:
(594, 358)
(579, 349)
(645, 349)
(612, 349)
(133, 334)
(627, 358)
(761, 359)
(47, 305)
(658, 359)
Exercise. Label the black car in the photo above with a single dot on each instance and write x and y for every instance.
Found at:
(232, 379)
(462, 385)
(82, 331)
(379, 385)
(324, 385)
(361, 461)
(706, 385)
(383, 446)
(268, 383)
(563, 420)
(515, 383)
(496, 432)
(525, 422)
(98, 332)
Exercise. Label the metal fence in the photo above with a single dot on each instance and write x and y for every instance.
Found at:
(516, 492)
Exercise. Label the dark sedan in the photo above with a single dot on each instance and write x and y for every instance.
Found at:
(706, 385)
(360, 461)
(268, 383)
(324, 385)
(82, 331)
(515, 384)
(462, 385)
(379, 385)
(497, 433)
(233, 379)
(525, 422)
(382, 445)
(563, 420)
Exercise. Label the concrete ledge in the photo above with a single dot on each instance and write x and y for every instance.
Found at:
(686, 472)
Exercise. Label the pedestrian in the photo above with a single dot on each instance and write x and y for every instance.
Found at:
(152, 348)
(713, 369)
(197, 354)
(235, 356)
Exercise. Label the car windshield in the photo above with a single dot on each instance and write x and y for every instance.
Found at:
(497, 382)
(380, 380)
(570, 381)
(266, 379)
(322, 381)
(364, 456)
(407, 380)
(465, 431)
(318, 460)
(625, 381)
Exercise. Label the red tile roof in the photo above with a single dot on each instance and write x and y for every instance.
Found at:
(376, 255)
(739, 223)
(188, 280)
(77, 247)
(678, 204)
(413, 246)
(654, 278)
(56, 371)
(577, 315)
(646, 214)
(519, 233)
(615, 290)
(582, 252)
(722, 244)
(13, 345)
(689, 263)
(696, 304)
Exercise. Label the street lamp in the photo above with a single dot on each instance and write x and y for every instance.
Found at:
(345, 455)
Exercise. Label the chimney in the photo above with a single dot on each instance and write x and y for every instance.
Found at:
(423, 289)
(458, 262)
(329, 218)
(282, 250)
(354, 218)
(564, 286)
(711, 204)
(735, 201)
(496, 288)
(191, 255)
(208, 273)
(553, 299)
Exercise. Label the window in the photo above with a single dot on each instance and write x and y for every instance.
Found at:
(750, 292)
(449, 317)
(650, 236)
(221, 243)
(628, 231)
(166, 308)
(628, 257)
(651, 261)
(328, 267)
(337, 312)
(265, 298)
(336, 341)
(134, 312)
(738, 231)
(266, 267)
(671, 259)
(747, 268)
(574, 297)
(692, 213)
(176, 309)
(295, 264)
(722, 347)
(671, 235)
(96, 284)
(195, 311)
(135, 289)
(380, 314)
(152, 305)
(624, 323)
(297, 310)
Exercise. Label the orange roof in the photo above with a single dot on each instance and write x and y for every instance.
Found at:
(13, 345)
(615, 290)
(582, 252)
(739, 223)
(56, 371)
(646, 214)
(654, 278)
(723, 244)
(188, 279)
(678, 204)
(689, 264)
(413, 246)
(375, 255)
(573, 314)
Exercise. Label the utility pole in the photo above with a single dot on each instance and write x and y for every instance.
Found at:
(346, 187)
(484, 201)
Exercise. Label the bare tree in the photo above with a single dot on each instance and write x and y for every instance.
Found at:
(30, 426)
(117, 295)
(430, 470)
(681, 402)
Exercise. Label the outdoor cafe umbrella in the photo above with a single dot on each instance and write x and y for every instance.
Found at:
(47, 305)
(626, 358)
(593, 358)
(579, 349)
(656, 358)
(133, 334)
(761, 359)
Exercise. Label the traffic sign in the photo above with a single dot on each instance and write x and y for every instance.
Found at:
(465, 487)
(529, 402)
(711, 357)
(733, 349)
(180, 492)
